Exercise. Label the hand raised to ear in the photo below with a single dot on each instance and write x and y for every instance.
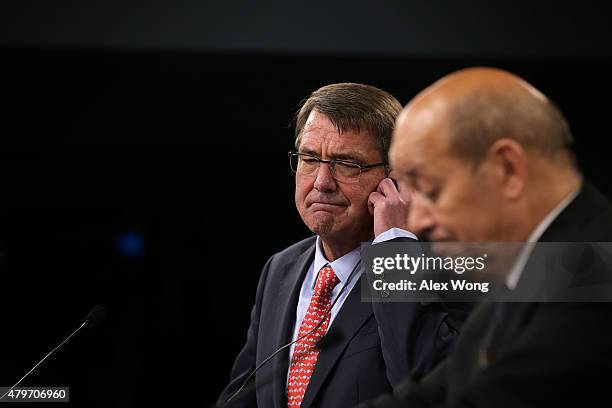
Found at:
(389, 207)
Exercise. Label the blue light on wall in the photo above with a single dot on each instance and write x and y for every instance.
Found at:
(131, 244)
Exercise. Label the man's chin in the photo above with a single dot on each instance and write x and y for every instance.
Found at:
(322, 225)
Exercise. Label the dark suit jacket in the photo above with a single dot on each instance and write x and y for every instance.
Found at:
(542, 354)
(348, 371)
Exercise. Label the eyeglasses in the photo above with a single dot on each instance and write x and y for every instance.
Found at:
(341, 170)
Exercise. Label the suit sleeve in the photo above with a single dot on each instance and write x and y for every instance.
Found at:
(562, 359)
(245, 362)
(409, 393)
(416, 336)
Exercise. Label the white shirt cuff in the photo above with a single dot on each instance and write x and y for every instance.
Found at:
(392, 234)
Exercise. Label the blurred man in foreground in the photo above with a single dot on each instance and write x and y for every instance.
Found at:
(488, 158)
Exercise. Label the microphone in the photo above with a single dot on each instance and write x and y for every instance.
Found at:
(321, 343)
(331, 338)
(93, 318)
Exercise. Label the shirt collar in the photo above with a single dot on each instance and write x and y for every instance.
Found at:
(342, 266)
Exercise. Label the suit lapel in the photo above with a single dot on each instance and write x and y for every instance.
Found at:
(350, 318)
(291, 283)
(569, 226)
(505, 331)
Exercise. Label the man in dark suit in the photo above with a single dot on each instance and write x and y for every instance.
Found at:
(487, 156)
(310, 289)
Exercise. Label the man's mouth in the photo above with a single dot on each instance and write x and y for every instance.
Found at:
(322, 206)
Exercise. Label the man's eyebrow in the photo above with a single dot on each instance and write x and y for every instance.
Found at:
(352, 157)
(308, 151)
(413, 172)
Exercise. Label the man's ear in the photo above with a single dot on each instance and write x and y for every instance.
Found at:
(510, 162)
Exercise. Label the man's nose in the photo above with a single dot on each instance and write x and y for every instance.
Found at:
(325, 180)
(420, 219)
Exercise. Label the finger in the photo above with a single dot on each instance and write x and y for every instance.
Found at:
(371, 204)
(387, 188)
(375, 198)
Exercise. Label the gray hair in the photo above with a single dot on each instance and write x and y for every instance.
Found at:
(355, 107)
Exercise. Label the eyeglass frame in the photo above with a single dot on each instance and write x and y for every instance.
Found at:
(332, 163)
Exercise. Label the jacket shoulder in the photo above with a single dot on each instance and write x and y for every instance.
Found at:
(295, 250)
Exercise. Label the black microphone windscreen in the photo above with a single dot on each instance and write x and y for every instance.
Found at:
(95, 316)
(332, 337)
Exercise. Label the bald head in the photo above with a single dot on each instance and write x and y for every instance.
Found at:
(482, 105)
(486, 155)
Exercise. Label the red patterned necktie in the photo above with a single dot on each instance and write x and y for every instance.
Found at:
(305, 353)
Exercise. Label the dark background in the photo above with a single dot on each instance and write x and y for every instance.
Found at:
(143, 160)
